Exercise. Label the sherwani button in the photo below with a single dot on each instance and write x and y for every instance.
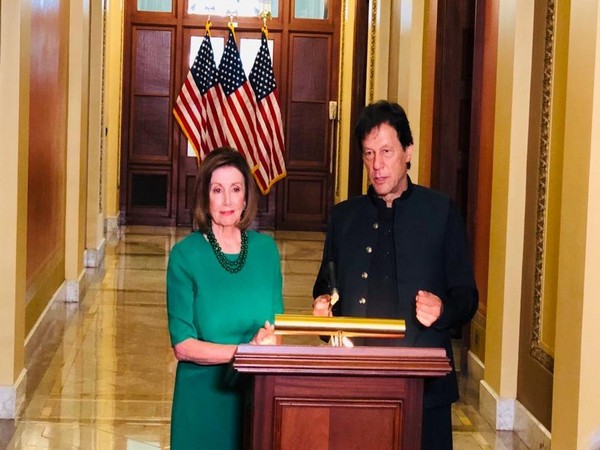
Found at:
(364, 275)
(375, 225)
(362, 301)
(369, 249)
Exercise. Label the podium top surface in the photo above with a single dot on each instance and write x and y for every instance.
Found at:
(355, 361)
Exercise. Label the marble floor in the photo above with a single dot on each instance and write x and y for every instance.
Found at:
(100, 372)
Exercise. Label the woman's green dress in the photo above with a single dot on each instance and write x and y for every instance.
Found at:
(206, 302)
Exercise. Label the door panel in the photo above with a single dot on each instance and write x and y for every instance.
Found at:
(150, 129)
(306, 197)
(308, 188)
(146, 185)
(308, 141)
(157, 53)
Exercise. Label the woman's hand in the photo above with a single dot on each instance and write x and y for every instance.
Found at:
(265, 335)
(322, 306)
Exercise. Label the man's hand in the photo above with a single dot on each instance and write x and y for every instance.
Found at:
(322, 306)
(429, 307)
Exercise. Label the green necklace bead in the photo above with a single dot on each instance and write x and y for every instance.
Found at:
(230, 266)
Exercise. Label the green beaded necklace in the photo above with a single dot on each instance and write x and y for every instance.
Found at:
(230, 266)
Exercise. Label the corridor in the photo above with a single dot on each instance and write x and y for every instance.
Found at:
(100, 372)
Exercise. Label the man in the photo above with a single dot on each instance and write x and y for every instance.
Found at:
(400, 251)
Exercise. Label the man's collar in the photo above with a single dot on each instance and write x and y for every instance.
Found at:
(379, 202)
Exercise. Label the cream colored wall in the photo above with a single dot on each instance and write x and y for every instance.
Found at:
(508, 196)
(344, 138)
(396, 61)
(96, 170)
(77, 135)
(576, 394)
(112, 102)
(14, 133)
(14, 127)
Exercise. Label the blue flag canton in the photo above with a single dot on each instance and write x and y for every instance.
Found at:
(261, 76)
(204, 69)
(231, 71)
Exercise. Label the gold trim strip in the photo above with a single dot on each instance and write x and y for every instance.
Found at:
(536, 351)
(372, 51)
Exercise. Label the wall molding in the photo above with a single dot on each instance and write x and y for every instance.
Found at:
(510, 415)
(475, 367)
(499, 412)
(76, 289)
(372, 49)
(536, 350)
(12, 398)
(94, 257)
(111, 224)
(60, 294)
(530, 430)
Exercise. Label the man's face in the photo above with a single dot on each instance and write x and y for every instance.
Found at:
(386, 162)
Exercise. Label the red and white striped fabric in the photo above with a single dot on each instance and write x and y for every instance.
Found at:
(198, 108)
(269, 127)
(239, 104)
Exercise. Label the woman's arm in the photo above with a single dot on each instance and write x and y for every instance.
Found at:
(203, 353)
(206, 353)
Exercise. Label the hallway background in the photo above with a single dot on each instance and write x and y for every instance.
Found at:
(535, 210)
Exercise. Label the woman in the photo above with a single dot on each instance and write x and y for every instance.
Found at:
(223, 288)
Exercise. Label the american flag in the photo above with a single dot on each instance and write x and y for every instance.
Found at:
(198, 106)
(239, 104)
(269, 128)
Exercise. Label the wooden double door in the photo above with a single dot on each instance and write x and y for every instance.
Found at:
(157, 167)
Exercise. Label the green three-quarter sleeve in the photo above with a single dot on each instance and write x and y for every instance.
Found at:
(277, 284)
(180, 299)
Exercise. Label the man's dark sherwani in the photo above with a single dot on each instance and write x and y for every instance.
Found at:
(431, 253)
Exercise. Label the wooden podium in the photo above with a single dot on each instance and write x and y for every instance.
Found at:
(329, 398)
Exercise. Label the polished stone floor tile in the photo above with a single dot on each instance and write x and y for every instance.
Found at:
(101, 372)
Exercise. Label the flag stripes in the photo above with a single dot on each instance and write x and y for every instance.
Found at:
(269, 126)
(220, 106)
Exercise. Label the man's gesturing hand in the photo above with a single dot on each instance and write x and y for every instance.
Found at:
(429, 307)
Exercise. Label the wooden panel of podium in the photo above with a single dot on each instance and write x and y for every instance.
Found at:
(328, 398)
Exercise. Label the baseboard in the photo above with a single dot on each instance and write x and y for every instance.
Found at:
(75, 289)
(499, 412)
(12, 398)
(60, 294)
(530, 430)
(475, 367)
(509, 414)
(111, 224)
(94, 257)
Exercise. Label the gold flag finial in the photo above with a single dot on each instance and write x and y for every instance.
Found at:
(265, 15)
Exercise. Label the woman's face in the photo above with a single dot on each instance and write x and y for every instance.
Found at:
(227, 196)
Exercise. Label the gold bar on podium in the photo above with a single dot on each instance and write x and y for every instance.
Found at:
(286, 324)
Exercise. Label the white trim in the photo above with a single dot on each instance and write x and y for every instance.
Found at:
(111, 224)
(75, 289)
(12, 398)
(475, 367)
(499, 412)
(94, 257)
(529, 429)
(61, 293)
